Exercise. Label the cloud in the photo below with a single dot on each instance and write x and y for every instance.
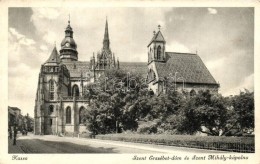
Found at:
(247, 83)
(23, 69)
(212, 11)
(216, 64)
(21, 39)
(46, 13)
(44, 48)
(50, 37)
(177, 47)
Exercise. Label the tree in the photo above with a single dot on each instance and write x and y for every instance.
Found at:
(214, 114)
(204, 112)
(242, 111)
(115, 98)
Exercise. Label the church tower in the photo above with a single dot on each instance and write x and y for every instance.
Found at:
(105, 59)
(68, 50)
(156, 47)
(156, 54)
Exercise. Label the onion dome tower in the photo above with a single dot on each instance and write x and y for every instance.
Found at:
(68, 50)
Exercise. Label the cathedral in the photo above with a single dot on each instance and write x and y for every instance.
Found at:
(59, 98)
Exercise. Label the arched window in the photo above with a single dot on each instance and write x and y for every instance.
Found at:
(51, 109)
(51, 89)
(75, 90)
(81, 113)
(159, 52)
(68, 115)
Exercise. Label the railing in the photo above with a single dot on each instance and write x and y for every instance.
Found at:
(210, 145)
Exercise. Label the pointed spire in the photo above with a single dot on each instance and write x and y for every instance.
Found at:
(54, 57)
(106, 41)
(157, 37)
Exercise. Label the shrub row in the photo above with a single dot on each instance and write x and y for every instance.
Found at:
(236, 144)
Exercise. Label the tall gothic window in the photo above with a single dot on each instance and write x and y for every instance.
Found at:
(75, 90)
(51, 85)
(81, 112)
(68, 115)
(159, 52)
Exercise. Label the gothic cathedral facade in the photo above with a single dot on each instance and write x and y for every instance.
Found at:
(59, 99)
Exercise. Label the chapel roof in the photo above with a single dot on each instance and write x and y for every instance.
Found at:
(190, 67)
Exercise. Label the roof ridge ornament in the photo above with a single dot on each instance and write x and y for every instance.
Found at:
(159, 27)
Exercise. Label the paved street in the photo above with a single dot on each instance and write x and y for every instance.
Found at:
(55, 144)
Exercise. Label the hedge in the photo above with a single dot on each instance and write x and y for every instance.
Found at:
(235, 144)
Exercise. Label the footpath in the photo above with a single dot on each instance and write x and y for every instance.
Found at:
(15, 148)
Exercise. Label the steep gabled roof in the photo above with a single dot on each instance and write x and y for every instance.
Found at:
(190, 67)
(76, 68)
(54, 58)
(158, 37)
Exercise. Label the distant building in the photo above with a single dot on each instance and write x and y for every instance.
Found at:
(173, 70)
(14, 114)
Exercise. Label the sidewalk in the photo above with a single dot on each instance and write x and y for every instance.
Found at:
(15, 148)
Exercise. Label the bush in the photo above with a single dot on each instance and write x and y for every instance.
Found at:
(236, 144)
(147, 129)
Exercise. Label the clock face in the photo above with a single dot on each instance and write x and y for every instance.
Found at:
(67, 44)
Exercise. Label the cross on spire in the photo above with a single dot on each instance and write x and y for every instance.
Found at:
(69, 19)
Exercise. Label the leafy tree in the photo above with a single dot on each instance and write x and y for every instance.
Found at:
(116, 98)
(203, 110)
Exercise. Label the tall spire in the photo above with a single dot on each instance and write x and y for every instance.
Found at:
(106, 41)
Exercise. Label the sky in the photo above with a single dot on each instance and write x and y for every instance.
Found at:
(222, 37)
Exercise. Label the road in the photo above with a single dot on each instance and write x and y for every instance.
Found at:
(54, 144)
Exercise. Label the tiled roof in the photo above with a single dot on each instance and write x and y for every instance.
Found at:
(54, 58)
(135, 67)
(188, 66)
(157, 37)
(77, 67)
